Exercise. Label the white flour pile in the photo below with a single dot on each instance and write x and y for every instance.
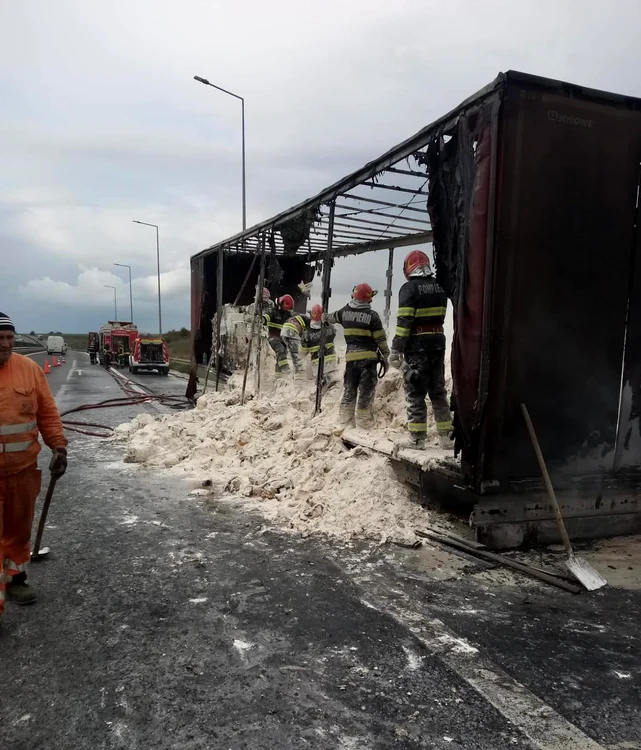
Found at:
(280, 458)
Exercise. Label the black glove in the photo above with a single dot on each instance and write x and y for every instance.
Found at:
(58, 464)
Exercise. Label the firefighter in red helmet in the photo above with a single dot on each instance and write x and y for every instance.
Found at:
(418, 349)
(366, 346)
(275, 319)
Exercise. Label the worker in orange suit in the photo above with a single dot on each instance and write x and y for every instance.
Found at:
(26, 408)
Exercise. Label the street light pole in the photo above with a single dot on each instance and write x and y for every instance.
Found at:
(242, 111)
(146, 224)
(108, 286)
(131, 294)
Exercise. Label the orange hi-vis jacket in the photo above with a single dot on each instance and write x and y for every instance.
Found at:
(26, 408)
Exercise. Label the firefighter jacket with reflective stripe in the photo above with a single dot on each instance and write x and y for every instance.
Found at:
(297, 324)
(311, 339)
(275, 319)
(421, 313)
(364, 332)
(26, 407)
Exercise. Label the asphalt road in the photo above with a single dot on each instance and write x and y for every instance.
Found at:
(170, 621)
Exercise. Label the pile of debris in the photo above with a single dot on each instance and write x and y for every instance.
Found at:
(276, 455)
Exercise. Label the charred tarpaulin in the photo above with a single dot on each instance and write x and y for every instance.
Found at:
(528, 189)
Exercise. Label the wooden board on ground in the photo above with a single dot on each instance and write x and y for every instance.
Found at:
(425, 459)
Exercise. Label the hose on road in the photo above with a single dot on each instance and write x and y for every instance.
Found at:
(132, 398)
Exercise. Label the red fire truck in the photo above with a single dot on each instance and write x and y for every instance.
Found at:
(149, 353)
(119, 338)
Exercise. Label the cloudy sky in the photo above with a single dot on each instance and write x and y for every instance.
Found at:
(102, 122)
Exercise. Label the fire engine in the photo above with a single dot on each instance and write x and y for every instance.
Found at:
(149, 353)
(119, 337)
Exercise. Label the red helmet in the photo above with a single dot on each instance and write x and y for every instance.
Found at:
(317, 313)
(286, 302)
(414, 260)
(363, 292)
(266, 294)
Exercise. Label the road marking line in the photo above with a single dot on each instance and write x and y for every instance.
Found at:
(540, 723)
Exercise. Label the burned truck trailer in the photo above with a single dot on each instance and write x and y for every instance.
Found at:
(529, 192)
(236, 285)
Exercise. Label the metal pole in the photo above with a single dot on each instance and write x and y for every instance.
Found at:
(158, 259)
(131, 298)
(109, 286)
(258, 312)
(327, 293)
(219, 310)
(388, 289)
(242, 103)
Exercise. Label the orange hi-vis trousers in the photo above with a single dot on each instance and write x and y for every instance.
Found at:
(18, 494)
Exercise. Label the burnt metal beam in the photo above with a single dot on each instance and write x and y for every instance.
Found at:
(384, 223)
(326, 294)
(419, 238)
(388, 287)
(402, 206)
(398, 188)
(406, 172)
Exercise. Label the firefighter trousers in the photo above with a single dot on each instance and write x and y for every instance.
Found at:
(424, 375)
(18, 494)
(359, 387)
(292, 342)
(280, 350)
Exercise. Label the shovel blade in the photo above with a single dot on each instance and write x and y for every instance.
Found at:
(41, 553)
(585, 574)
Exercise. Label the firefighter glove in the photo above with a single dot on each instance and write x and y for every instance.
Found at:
(58, 464)
(396, 360)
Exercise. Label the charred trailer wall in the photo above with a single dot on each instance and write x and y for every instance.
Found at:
(563, 271)
(286, 274)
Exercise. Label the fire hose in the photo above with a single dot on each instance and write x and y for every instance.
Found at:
(132, 398)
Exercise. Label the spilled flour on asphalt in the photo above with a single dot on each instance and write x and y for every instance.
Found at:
(278, 457)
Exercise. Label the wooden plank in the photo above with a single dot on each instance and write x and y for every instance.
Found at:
(425, 459)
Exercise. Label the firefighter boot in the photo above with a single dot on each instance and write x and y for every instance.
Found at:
(19, 591)
(414, 441)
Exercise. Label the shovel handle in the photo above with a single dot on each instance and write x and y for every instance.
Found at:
(547, 480)
(43, 514)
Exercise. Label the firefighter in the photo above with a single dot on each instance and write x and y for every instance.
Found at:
(106, 356)
(26, 408)
(310, 344)
(275, 319)
(418, 349)
(93, 348)
(291, 335)
(366, 347)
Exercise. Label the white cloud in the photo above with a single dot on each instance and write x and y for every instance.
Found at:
(103, 122)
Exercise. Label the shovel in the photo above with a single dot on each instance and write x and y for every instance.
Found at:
(39, 553)
(580, 568)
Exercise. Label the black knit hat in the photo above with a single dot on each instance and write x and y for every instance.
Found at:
(6, 323)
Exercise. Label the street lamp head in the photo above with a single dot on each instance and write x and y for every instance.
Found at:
(201, 80)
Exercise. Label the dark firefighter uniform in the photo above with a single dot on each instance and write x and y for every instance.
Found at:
(366, 342)
(420, 338)
(275, 319)
(291, 337)
(310, 344)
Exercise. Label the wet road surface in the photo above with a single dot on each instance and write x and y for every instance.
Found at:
(168, 620)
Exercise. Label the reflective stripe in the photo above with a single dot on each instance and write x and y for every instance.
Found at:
(282, 362)
(14, 566)
(403, 332)
(444, 426)
(356, 356)
(431, 312)
(358, 332)
(16, 447)
(417, 426)
(274, 325)
(380, 334)
(14, 429)
(427, 333)
(406, 312)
